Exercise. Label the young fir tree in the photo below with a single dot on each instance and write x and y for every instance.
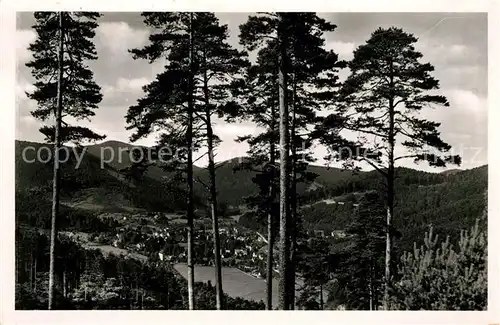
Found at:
(315, 265)
(362, 268)
(387, 88)
(439, 276)
(64, 91)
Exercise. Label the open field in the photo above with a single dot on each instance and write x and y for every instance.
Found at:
(83, 239)
(107, 249)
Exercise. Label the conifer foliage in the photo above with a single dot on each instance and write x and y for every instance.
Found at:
(387, 88)
(183, 100)
(443, 276)
(294, 78)
(64, 89)
(80, 94)
(334, 233)
(362, 268)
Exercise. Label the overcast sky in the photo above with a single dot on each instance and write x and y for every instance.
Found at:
(456, 44)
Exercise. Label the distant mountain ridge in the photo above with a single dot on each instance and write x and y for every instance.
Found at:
(233, 185)
(450, 201)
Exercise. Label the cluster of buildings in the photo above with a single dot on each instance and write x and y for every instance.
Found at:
(336, 234)
(244, 249)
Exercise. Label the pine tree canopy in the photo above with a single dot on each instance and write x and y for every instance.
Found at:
(81, 95)
(387, 79)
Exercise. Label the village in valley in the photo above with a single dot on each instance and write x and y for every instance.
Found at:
(160, 237)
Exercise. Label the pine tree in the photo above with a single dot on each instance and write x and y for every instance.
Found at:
(315, 265)
(64, 89)
(254, 33)
(291, 49)
(387, 88)
(362, 269)
(218, 64)
(313, 78)
(182, 101)
(257, 94)
(168, 106)
(439, 276)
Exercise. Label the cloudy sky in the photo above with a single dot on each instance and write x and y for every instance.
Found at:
(456, 44)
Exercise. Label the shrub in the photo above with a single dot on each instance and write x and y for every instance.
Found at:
(437, 277)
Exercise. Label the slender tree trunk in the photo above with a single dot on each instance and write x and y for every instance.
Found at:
(31, 271)
(190, 203)
(390, 200)
(321, 300)
(17, 268)
(219, 295)
(64, 284)
(370, 288)
(293, 195)
(57, 145)
(137, 295)
(270, 218)
(34, 284)
(284, 287)
(388, 250)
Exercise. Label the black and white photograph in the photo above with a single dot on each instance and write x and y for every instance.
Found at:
(198, 160)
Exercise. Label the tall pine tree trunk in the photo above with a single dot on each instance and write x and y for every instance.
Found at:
(390, 200)
(136, 294)
(55, 182)
(64, 284)
(34, 273)
(321, 299)
(388, 248)
(17, 268)
(284, 287)
(370, 287)
(270, 219)
(293, 194)
(190, 203)
(213, 199)
(31, 271)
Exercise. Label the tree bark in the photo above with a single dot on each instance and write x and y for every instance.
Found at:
(284, 287)
(56, 176)
(293, 195)
(219, 294)
(34, 284)
(64, 284)
(370, 288)
(137, 295)
(321, 300)
(190, 202)
(31, 271)
(270, 219)
(390, 199)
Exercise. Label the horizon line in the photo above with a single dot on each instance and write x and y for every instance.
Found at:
(432, 170)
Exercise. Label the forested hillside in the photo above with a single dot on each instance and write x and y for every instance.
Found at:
(448, 201)
(103, 224)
